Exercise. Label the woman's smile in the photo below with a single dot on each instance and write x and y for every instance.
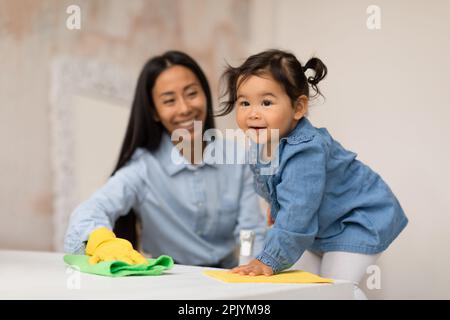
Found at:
(186, 124)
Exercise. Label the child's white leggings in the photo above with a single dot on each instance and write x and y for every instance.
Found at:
(338, 265)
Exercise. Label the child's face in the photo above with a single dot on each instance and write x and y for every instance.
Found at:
(262, 104)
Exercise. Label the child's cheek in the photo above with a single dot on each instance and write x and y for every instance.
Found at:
(240, 119)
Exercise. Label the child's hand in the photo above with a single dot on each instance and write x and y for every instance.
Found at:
(269, 218)
(253, 268)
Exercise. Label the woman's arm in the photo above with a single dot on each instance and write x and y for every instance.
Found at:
(121, 192)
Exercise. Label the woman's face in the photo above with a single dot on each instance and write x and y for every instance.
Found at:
(179, 100)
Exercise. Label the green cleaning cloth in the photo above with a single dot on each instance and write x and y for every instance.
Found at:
(119, 268)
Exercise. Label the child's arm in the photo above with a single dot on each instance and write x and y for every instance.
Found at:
(299, 195)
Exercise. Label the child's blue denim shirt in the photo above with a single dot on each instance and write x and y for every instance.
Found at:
(323, 199)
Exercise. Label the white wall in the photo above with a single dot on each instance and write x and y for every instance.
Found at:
(96, 148)
(387, 98)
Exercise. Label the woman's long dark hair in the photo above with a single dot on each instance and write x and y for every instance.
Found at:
(143, 131)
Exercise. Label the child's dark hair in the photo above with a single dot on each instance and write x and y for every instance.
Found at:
(282, 66)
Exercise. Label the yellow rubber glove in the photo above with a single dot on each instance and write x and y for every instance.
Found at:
(104, 246)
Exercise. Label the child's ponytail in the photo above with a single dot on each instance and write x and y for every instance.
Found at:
(283, 67)
(320, 71)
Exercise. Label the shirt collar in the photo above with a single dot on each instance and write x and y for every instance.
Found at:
(303, 131)
(173, 161)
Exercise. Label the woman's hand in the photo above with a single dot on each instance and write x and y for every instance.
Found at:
(104, 246)
(253, 268)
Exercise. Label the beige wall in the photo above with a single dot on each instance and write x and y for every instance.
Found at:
(387, 99)
(33, 35)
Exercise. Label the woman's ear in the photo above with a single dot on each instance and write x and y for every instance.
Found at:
(156, 117)
(301, 107)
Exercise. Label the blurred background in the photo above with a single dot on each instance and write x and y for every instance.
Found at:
(66, 87)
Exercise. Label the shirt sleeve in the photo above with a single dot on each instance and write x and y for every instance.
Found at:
(250, 213)
(120, 193)
(299, 195)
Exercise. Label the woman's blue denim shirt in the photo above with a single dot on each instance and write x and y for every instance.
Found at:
(323, 199)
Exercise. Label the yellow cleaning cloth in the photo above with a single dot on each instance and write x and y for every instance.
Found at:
(292, 276)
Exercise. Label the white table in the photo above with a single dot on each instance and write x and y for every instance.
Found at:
(44, 275)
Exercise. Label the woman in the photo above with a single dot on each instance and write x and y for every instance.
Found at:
(193, 212)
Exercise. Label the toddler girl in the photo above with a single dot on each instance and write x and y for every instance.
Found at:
(322, 199)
